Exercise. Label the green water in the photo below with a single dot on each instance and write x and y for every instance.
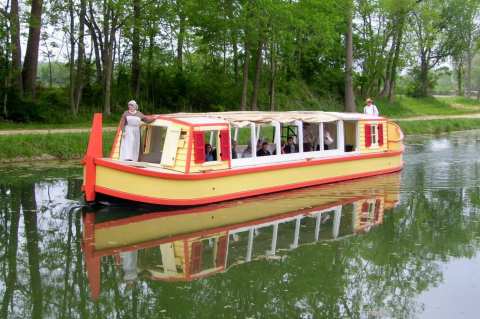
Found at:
(419, 260)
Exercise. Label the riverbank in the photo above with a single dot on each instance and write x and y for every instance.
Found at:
(32, 142)
(67, 146)
(35, 147)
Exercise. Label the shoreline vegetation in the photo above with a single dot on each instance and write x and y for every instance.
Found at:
(71, 146)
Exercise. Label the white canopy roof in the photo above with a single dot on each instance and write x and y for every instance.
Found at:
(244, 118)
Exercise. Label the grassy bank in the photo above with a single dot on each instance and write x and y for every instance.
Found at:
(48, 146)
(409, 107)
(72, 145)
(439, 126)
(66, 146)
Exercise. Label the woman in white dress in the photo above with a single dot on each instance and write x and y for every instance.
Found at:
(370, 108)
(130, 123)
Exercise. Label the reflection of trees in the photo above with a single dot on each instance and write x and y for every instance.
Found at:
(10, 215)
(378, 274)
(32, 237)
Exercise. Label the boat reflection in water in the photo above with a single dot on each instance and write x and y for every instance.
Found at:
(184, 245)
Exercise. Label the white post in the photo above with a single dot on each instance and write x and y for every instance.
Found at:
(250, 246)
(336, 221)
(253, 140)
(278, 138)
(300, 135)
(235, 135)
(318, 220)
(274, 240)
(340, 136)
(321, 141)
(211, 138)
(297, 233)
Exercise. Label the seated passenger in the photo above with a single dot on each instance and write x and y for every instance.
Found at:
(234, 149)
(210, 154)
(247, 152)
(291, 147)
(264, 150)
(307, 147)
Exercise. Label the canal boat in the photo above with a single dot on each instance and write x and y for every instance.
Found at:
(193, 243)
(252, 153)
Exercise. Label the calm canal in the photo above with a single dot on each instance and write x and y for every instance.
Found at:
(396, 246)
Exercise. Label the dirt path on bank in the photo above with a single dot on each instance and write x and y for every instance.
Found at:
(113, 128)
(53, 131)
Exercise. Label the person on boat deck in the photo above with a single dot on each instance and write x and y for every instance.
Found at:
(234, 149)
(264, 150)
(130, 125)
(370, 108)
(210, 153)
(291, 147)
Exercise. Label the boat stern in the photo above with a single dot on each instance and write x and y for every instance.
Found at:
(94, 150)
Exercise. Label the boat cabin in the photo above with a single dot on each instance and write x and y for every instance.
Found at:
(203, 142)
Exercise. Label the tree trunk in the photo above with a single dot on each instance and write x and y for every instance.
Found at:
(396, 58)
(258, 70)
(423, 77)
(468, 73)
(235, 57)
(29, 72)
(349, 95)
(16, 47)
(273, 71)
(460, 90)
(180, 39)
(72, 57)
(135, 85)
(243, 103)
(79, 78)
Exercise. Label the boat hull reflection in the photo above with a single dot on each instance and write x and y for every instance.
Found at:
(182, 245)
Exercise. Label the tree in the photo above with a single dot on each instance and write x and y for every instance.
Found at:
(29, 72)
(349, 95)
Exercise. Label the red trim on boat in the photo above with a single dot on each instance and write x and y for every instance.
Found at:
(229, 172)
(94, 151)
(189, 151)
(212, 199)
(117, 137)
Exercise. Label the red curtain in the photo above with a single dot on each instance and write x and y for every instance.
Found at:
(380, 134)
(225, 145)
(199, 146)
(368, 135)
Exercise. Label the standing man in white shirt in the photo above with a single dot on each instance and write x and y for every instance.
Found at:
(370, 108)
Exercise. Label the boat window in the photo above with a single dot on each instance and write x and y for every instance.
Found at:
(289, 139)
(330, 140)
(211, 146)
(350, 133)
(310, 137)
(153, 139)
(266, 136)
(374, 135)
(241, 142)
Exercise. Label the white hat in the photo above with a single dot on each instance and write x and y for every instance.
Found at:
(133, 103)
